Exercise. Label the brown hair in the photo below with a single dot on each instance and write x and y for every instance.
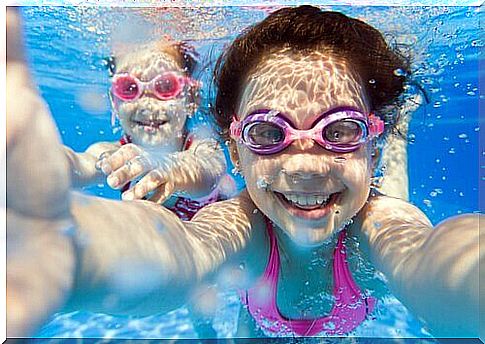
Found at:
(382, 70)
(182, 52)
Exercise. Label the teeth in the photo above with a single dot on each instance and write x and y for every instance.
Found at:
(321, 199)
(311, 200)
(306, 200)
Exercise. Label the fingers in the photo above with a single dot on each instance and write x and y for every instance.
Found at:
(129, 171)
(103, 158)
(120, 157)
(163, 193)
(157, 181)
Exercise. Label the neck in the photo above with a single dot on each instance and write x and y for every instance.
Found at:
(172, 145)
(293, 255)
(305, 284)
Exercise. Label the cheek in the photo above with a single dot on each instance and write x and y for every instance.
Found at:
(258, 171)
(126, 109)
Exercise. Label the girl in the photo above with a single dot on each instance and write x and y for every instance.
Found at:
(153, 94)
(295, 98)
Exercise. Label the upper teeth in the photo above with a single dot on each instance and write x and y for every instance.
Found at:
(306, 199)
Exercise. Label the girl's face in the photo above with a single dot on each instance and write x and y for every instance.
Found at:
(306, 190)
(149, 120)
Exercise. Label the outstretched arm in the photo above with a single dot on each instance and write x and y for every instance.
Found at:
(37, 199)
(139, 258)
(434, 271)
(64, 246)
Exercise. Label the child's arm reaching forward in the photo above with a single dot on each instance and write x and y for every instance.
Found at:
(101, 254)
(83, 167)
(434, 271)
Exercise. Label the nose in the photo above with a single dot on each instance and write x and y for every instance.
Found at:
(302, 176)
(304, 144)
(307, 167)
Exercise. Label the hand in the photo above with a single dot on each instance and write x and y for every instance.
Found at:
(130, 162)
(156, 180)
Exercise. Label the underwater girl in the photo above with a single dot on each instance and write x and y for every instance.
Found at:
(153, 94)
(295, 100)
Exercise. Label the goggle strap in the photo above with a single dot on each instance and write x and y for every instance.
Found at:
(235, 128)
(376, 125)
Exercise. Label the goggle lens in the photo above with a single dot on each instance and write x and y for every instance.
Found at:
(343, 132)
(264, 134)
(125, 88)
(167, 86)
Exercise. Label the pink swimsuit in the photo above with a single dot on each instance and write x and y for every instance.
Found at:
(349, 311)
(185, 208)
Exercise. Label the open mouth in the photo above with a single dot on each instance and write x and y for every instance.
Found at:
(150, 125)
(308, 206)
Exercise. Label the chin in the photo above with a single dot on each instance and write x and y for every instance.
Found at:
(309, 236)
(148, 136)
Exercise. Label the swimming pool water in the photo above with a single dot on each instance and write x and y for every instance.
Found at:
(66, 47)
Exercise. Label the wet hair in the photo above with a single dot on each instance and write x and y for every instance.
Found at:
(306, 29)
(184, 53)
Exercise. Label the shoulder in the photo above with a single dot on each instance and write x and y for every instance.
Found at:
(238, 227)
(239, 208)
(389, 228)
(390, 209)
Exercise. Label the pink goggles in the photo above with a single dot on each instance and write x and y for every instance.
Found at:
(341, 130)
(166, 86)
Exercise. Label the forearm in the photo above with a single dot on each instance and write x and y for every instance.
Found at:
(433, 271)
(40, 270)
(197, 171)
(143, 256)
(444, 276)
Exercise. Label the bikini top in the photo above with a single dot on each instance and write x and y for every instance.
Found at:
(349, 311)
(185, 208)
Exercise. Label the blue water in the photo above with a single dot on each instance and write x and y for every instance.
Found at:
(446, 159)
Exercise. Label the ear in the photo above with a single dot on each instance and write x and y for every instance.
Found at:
(376, 156)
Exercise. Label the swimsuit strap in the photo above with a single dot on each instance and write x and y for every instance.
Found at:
(350, 308)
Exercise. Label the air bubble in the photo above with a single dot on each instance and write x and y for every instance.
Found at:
(340, 160)
(399, 72)
(264, 182)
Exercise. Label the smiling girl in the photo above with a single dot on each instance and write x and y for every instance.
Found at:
(295, 99)
(153, 94)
